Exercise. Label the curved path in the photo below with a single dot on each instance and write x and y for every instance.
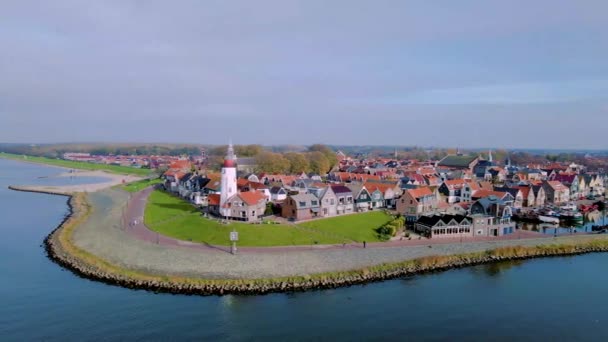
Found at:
(137, 205)
(137, 248)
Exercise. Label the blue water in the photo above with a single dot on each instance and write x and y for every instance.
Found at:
(557, 298)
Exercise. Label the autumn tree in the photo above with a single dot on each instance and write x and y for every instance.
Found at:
(272, 162)
(298, 162)
(318, 163)
(329, 154)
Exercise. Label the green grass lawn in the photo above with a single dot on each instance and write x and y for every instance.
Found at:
(177, 218)
(357, 227)
(77, 164)
(140, 185)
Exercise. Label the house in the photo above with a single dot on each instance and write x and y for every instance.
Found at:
(556, 192)
(596, 186)
(301, 207)
(390, 191)
(328, 201)
(479, 194)
(451, 190)
(259, 187)
(569, 180)
(492, 226)
(540, 196)
(344, 199)
(518, 196)
(302, 185)
(361, 197)
(490, 206)
(529, 200)
(583, 185)
(214, 185)
(443, 226)
(377, 196)
(244, 206)
(458, 162)
(277, 193)
(468, 189)
(416, 202)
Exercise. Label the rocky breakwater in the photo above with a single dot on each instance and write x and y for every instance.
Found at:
(61, 249)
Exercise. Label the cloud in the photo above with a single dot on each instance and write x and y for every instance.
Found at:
(293, 71)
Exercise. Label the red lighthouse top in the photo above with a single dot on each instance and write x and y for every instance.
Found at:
(229, 163)
(230, 159)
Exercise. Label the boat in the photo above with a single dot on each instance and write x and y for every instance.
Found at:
(571, 216)
(548, 219)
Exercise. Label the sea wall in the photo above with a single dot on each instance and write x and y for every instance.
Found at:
(59, 248)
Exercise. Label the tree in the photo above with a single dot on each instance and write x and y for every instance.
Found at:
(318, 163)
(298, 162)
(248, 150)
(332, 159)
(272, 163)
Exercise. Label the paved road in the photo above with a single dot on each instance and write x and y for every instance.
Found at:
(105, 235)
(137, 205)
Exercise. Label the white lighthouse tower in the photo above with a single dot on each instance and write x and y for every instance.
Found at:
(228, 186)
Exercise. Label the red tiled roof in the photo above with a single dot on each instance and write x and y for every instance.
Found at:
(420, 192)
(557, 185)
(252, 197)
(485, 193)
(213, 199)
(525, 191)
(454, 183)
(180, 164)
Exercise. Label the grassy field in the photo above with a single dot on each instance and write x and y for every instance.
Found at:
(177, 218)
(77, 165)
(140, 185)
(357, 227)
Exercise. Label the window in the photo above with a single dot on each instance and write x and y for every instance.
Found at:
(302, 204)
(314, 202)
(331, 201)
(363, 196)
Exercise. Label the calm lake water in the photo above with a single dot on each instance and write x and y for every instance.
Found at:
(556, 298)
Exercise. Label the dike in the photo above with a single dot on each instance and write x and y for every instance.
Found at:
(59, 248)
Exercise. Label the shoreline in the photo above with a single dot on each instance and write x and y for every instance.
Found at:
(60, 249)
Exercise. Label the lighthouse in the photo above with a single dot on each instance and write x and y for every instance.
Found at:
(228, 180)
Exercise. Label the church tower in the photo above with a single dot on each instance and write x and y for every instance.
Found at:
(228, 186)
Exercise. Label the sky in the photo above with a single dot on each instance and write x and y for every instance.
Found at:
(468, 73)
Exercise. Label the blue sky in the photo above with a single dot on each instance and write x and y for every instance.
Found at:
(442, 73)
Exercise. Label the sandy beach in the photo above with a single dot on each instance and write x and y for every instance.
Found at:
(110, 181)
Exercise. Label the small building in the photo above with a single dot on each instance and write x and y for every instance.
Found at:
(443, 226)
(301, 207)
(556, 192)
(416, 202)
(244, 206)
(361, 197)
(459, 162)
(345, 202)
(278, 194)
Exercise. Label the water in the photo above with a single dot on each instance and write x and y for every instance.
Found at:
(556, 298)
(591, 219)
